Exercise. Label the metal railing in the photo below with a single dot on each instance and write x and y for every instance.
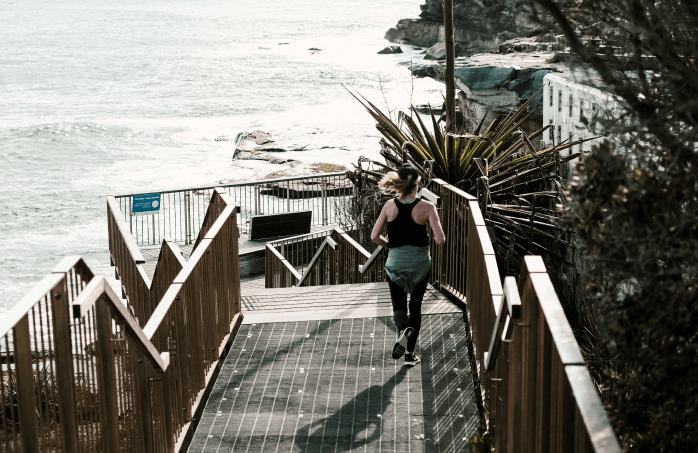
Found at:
(331, 257)
(181, 212)
(79, 373)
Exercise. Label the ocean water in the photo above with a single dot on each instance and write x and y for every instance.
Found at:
(111, 97)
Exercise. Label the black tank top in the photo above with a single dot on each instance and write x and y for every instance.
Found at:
(403, 230)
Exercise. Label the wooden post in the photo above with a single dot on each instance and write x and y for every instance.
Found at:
(26, 393)
(106, 375)
(144, 412)
(169, 424)
(64, 366)
(183, 353)
(450, 66)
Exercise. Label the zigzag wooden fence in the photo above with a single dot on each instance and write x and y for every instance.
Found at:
(337, 259)
(79, 373)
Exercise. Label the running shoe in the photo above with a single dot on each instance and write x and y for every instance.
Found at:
(412, 359)
(401, 343)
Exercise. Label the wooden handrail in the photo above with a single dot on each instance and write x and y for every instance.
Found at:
(367, 265)
(352, 242)
(99, 288)
(128, 238)
(510, 309)
(335, 267)
(281, 258)
(535, 388)
(277, 242)
(327, 242)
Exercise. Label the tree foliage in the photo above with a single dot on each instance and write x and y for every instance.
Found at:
(635, 210)
(517, 186)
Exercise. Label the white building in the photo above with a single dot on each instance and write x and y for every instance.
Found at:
(566, 101)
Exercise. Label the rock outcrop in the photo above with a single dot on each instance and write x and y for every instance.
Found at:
(479, 25)
(258, 145)
(390, 50)
(438, 51)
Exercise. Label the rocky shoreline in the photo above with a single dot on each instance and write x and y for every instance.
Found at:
(262, 146)
(502, 57)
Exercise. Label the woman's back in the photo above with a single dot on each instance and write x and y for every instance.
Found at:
(403, 229)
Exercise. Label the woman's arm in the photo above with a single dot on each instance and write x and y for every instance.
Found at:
(378, 227)
(435, 224)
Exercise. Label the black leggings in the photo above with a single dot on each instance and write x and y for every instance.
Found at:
(414, 320)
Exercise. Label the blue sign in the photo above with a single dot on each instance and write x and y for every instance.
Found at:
(147, 203)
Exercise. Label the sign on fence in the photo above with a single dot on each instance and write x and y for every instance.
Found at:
(147, 203)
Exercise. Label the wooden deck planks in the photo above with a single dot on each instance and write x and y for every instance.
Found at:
(331, 385)
(330, 302)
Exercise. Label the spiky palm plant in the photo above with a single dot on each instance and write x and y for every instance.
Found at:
(517, 187)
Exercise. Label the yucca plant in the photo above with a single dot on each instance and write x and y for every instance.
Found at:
(518, 187)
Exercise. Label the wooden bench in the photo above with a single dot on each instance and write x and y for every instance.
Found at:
(277, 225)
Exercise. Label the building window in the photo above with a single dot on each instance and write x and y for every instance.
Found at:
(559, 134)
(551, 95)
(570, 141)
(559, 101)
(552, 132)
(581, 110)
(571, 105)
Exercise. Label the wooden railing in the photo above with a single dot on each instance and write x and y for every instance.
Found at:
(80, 373)
(536, 392)
(77, 372)
(338, 259)
(142, 293)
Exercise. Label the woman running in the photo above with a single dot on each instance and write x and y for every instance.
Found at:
(408, 262)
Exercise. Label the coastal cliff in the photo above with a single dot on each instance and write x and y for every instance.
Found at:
(502, 56)
(478, 26)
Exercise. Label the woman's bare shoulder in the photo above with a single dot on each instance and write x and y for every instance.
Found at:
(426, 205)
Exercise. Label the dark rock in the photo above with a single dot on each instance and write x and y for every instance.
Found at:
(428, 70)
(523, 82)
(416, 32)
(437, 110)
(477, 24)
(485, 77)
(315, 49)
(527, 82)
(257, 155)
(438, 51)
(523, 45)
(390, 50)
(270, 149)
(505, 36)
(305, 189)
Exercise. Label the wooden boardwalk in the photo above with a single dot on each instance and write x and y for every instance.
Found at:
(310, 371)
(330, 302)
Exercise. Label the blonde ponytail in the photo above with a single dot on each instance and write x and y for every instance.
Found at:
(392, 184)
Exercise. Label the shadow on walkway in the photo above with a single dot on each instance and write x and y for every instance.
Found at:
(355, 424)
